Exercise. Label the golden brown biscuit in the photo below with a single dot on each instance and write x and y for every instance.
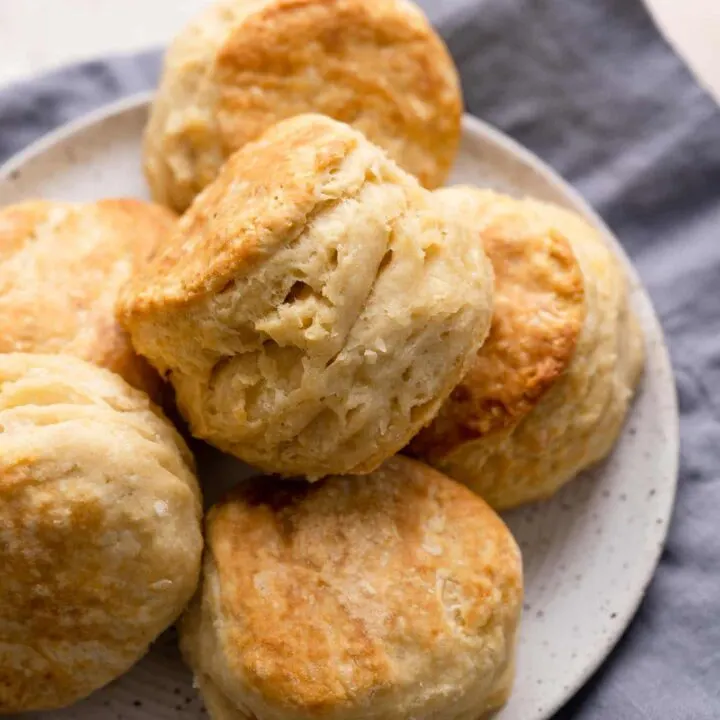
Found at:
(395, 596)
(550, 388)
(100, 536)
(243, 65)
(316, 305)
(61, 266)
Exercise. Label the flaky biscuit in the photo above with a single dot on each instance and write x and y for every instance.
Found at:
(395, 596)
(243, 65)
(316, 305)
(549, 390)
(100, 536)
(61, 265)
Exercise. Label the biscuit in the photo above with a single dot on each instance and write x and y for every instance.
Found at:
(61, 265)
(243, 65)
(100, 529)
(396, 595)
(316, 305)
(549, 390)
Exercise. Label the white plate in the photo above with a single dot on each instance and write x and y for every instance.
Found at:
(589, 553)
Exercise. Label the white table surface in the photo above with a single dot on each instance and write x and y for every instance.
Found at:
(37, 35)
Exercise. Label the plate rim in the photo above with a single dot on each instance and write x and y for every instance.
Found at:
(476, 127)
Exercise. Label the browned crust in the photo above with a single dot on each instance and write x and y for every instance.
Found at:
(319, 545)
(378, 66)
(539, 313)
(262, 197)
(84, 459)
(18, 223)
(61, 267)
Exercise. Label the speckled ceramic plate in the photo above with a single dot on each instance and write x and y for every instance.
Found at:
(589, 553)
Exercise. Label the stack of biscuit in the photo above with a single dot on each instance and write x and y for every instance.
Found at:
(400, 361)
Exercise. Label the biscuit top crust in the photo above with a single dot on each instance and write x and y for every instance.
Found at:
(100, 532)
(394, 588)
(264, 196)
(538, 314)
(61, 268)
(377, 65)
(243, 65)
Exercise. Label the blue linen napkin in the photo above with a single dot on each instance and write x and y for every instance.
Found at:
(591, 87)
